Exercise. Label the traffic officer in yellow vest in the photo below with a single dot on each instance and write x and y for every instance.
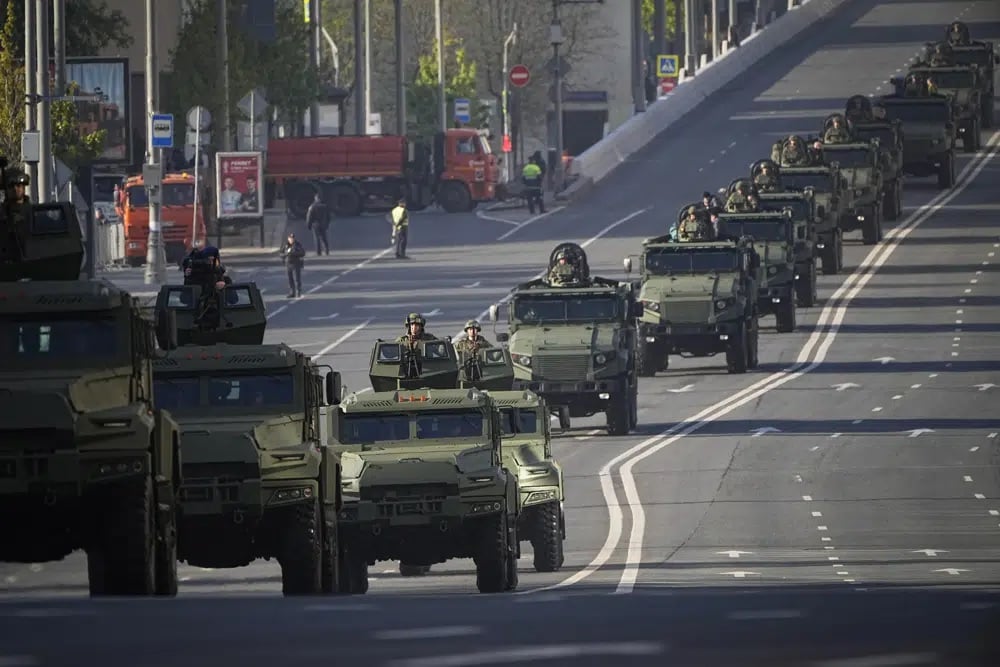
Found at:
(400, 219)
(531, 177)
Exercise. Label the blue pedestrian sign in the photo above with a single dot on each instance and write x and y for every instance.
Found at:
(463, 110)
(162, 130)
(667, 67)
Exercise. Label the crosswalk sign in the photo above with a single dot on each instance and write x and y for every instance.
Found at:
(667, 67)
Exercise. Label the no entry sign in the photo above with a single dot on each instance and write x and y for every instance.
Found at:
(519, 76)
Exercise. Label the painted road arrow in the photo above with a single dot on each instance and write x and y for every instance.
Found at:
(734, 553)
(985, 387)
(845, 385)
(884, 360)
(930, 552)
(681, 390)
(740, 574)
(951, 570)
(763, 430)
(917, 432)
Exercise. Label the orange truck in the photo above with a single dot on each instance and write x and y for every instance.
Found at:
(359, 173)
(176, 217)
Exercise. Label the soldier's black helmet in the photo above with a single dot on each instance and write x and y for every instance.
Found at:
(18, 178)
(415, 318)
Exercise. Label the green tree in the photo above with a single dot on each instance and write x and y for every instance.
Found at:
(70, 144)
(423, 101)
(280, 68)
(648, 7)
(91, 26)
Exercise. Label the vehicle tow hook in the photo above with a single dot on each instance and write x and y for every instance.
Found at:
(238, 517)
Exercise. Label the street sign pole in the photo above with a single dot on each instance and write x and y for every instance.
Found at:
(156, 259)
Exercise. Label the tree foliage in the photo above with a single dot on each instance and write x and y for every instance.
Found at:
(90, 27)
(280, 68)
(648, 9)
(71, 145)
(423, 100)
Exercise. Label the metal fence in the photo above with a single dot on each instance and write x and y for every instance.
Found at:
(109, 244)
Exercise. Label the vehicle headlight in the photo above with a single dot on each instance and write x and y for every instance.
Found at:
(477, 459)
(600, 359)
(351, 466)
(722, 304)
(521, 359)
(651, 305)
(772, 270)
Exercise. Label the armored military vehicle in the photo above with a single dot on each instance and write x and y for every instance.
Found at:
(801, 205)
(87, 460)
(424, 482)
(773, 236)
(259, 481)
(889, 134)
(830, 196)
(860, 166)
(699, 300)
(572, 339)
(982, 55)
(962, 83)
(929, 134)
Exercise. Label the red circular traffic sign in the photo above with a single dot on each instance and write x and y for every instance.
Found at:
(519, 76)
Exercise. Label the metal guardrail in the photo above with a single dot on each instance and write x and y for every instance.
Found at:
(109, 244)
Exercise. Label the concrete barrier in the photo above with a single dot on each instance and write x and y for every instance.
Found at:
(603, 157)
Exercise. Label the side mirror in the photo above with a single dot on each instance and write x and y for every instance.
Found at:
(638, 309)
(627, 262)
(503, 337)
(493, 313)
(333, 388)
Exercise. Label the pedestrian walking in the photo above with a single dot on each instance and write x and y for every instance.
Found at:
(318, 220)
(294, 256)
(400, 219)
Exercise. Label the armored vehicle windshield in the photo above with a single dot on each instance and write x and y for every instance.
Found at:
(848, 158)
(933, 110)
(949, 78)
(692, 259)
(48, 245)
(225, 394)
(516, 423)
(568, 308)
(885, 134)
(760, 230)
(818, 180)
(402, 426)
(489, 368)
(801, 208)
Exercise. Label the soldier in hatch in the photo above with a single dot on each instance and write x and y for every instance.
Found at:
(563, 272)
(415, 323)
(694, 227)
(915, 86)
(942, 56)
(743, 200)
(473, 341)
(837, 132)
(958, 34)
(859, 109)
(766, 180)
(794, 153)
(878, 112)
(17, 204)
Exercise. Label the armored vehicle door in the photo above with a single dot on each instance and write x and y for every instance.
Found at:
(235, 314)
(488, 369)
(45, 244)
(427, 364)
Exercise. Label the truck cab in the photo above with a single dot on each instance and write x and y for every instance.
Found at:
(178, 217)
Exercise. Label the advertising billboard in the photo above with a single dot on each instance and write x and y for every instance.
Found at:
(107, 79)
(238, 176)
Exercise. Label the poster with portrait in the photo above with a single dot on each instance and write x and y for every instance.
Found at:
(106, 80)
(238, 177)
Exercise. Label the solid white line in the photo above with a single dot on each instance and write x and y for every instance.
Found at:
(856, 282)
(506, 656)
(889, 660)
(443, 632)
(483, 216)
(764, 614)
(340, 340)
(530, 221)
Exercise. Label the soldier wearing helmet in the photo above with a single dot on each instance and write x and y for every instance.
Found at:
(942, 56)
(473, 341)
(694, 227)
(958, 34)
(415, 323)
(837, 132)
(794, 153)
(766, 178)
(915, 85)
(17, 204)
(859, 109)
(562, 272)
(743, 200)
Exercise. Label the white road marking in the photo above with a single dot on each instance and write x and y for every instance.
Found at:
(807, 498)
(821, 528)
(877, 409)
(530, 221)
(590, 434)
(326, 350)
(980, 496)
(734, 553)
(493, 218)
(475, 284)
(967, 479)
(517, 654)
(821, 340)
(817, 514)
(331, 316)
(764, 614)
(887, 660)
(974, 449)
(443, 632)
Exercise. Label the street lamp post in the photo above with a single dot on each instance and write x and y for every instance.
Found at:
(505, 95)
(556, 39)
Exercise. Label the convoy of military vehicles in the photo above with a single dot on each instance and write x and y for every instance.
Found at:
(180, 436)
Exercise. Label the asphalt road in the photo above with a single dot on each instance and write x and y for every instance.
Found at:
(839, 502)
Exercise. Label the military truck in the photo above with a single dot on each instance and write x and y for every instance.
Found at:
(930, 132)
(423, 476)
(801, 205)
(773, 236)
(573, 342)
(859, 163)
(831, 199)
(982, 55)
(259, 480)
(700, 299)
(889, 134)
(963, 85)
(87, 459)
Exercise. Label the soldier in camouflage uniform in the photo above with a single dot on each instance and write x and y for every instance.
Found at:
(958, 34)
(915, 86)
(563, 273)
(793, 153)
(694, 227)
(415, 323)
(766, 180)
(743, 200)
(837, 133)
(473, 341)
(859, 109)
(17, 204)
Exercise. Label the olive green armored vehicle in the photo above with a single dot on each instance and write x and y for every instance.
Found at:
(423, 473)
(983, 55)
(889, 134)
(259, 480)
(962, 83)
(773, 236)
(829, 194)
(860, 166)
(929, 134)
(801, 206)
(572, 338)
(87, 459)
(700, 299)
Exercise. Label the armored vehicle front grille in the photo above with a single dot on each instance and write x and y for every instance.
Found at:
(687, 311)
(247, 359)
(165, 361)
(222, 472)
(561, 366)
(408, 500)
(447, 401)
(379, 404)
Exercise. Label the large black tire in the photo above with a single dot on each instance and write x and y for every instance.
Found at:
(346, 200)
(123, 561)
(891, 201)
(298, 197)
(946, 171)
(970, 140)
(619, 413)
(166, 559)
(737, 352)
(987, 114)
(546, 537)
(301, 552)
(645, 358)
(831, 257)
(785, 316)
(870, 226)
(454, 197)
(353, 573)
(564, 421)
(805, 286)
(492, 553)
(331, 561)
(753, 344)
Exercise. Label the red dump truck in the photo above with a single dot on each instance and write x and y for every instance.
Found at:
(359, 173)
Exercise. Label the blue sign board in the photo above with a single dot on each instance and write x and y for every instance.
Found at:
(667, 66)
(162, 130)
(463, 110)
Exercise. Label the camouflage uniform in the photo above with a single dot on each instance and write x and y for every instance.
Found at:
(413, 339)
(739, 202)
(693, 227)
(562, 274)
(836, 135)
(16, 213)
(467, 345)
(794, 154)
(958, 34)
(765, 180)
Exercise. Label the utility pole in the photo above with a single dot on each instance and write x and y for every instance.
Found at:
(315, 36)
(368, 65)
(691, 58)
(44, 121)
(360, 121)
(505, 99)
(222, 47)
(30, 66)
(660, 26)
(730, 33)
(59, 46)
(638, 58)
(156, 260)
(400, 80)
(715, 29)
(442, 100)
(556, 38)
